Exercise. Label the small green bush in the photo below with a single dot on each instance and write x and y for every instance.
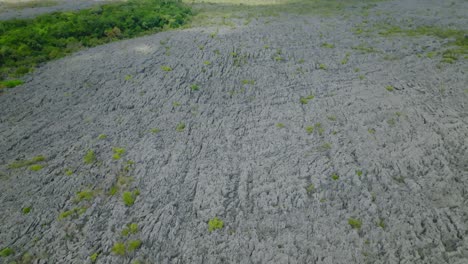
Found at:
(119, 249)
(87, 195)
(311, 188)
(215, 224)
(328, 45)
(180, 127)
(94, 257)
(133, 245)
(335, 176)
(309, 129)
(36, 167)
(118, 152)
(90, 157)
(166, 68)
(280, 125)
(130, 229)
(102, 136)
(68, 172)
(24, 163)
(10, 83)
(248, 82)
(194, 87)
(355, 223)
(26, 210)
(129, 197)
(73, 212)
(389, 88)
(6, 252)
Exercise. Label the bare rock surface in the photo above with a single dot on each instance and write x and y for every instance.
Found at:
(286, 175)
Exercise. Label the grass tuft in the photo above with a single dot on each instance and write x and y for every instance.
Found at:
(10, 83)
(119, 249)
(6, 252)
(90, 157)
(133, 245)
(355, 223)
(180, 127)
(215, 224)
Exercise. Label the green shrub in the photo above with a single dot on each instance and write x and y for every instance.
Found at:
(25, 43)
(94, 257)
(180, 127)
(355, 223)
(129, 197)
(389, 88)
(130, 229)
(118, 152)
(328, 45)
(119, 249)
(280, 125)
(250, 82)
(36, 167)
(335, 176)
(72, 212)
(6, 252)
(194, 87)
(215, 224)
(102, 136)
(133, 245)
(23, 163)
(90, 157)
(87, 195)
(166, 68)
(309, 129)
(26, 210)
(10, 83)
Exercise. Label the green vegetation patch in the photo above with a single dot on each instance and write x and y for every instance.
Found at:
(215, 224)
(90, 157)
(180, 127)
(457, 46)
(133, 245)
(24, 163)
(129, 197)
(74, 212)
(24, 43)
(130, 229)
(94, 257)
(119, 249)
(36, 167)
(85, 195)
(26, 210)
(6, 252)
(10, 83)
(355, 223)
(118, 152)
